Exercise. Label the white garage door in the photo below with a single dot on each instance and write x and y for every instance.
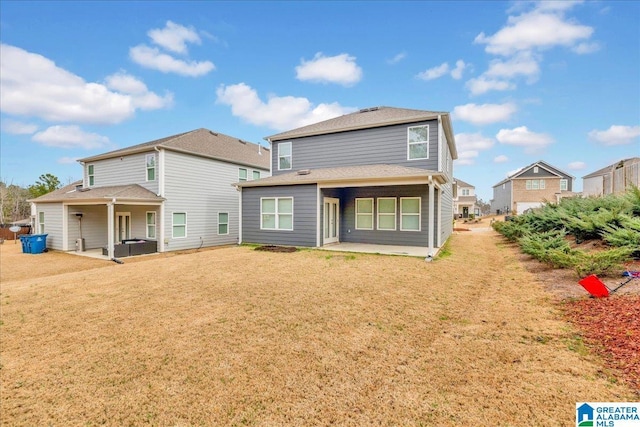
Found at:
(523, 206)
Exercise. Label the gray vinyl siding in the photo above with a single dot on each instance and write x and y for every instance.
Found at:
(201, 188)
(542, 173)
(131, 169)
(446, 199)
(53, 217)
(382, 145)
(501, 197)
(305, 208)
(94, 226)
(348, 232)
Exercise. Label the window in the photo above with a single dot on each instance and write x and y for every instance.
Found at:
(90, 175)
(535, 184)
(410, 213)
(284, 156)
(256, 175)
(465, 191)
(418, 143)
(564, 185)
(276, 213)
(151, 167)
(223, 223)
(151, 225)
(179, 225)
(386, 213)
(535, 169)
(41, 222)
(542, 184)
(242, 174)
(364, 214)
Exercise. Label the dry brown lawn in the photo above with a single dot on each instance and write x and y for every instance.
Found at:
(234, 336)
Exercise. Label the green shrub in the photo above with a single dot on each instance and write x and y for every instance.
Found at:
(538, 245)
(604, 262)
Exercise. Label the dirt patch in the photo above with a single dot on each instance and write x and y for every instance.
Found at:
(461, 229)
(272, 248)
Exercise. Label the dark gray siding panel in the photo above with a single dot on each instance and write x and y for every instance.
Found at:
(348, 232)
(359, 147)
(501, 197)
(304, 216)
(542, 173)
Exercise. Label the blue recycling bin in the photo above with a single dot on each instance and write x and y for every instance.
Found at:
(33, 243)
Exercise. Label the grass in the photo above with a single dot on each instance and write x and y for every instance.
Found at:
(239, 337)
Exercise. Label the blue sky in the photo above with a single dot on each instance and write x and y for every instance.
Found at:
(524, 81)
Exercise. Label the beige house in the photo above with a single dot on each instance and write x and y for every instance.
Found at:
(464, 199)
(530, 187)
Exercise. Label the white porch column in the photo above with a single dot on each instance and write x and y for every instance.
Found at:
(431, 237)
(111, 228)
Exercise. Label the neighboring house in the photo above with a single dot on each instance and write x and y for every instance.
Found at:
(464, 199)
(613, 179)
(176, 191)
(530, 187)
(380, 175)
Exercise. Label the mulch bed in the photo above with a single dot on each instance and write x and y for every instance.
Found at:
(612, 328)
(273, 248)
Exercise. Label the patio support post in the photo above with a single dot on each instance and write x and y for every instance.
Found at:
(111, 228)
(431, 222)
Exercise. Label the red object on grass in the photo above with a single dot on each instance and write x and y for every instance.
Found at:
(594, 286)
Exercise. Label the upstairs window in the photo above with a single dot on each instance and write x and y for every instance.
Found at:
(465, 192)
(151, 167)
(242, 174)
(535, 169)
(256, 175)
(535, 184)
(284, 156)
(564, 185)
(90, 175)
(418, 142)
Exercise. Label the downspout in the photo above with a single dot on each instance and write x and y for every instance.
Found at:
(161, 193)
(111, 227)
(431, 234)
(239, 215)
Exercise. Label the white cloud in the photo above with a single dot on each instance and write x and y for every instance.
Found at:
(577, 165)
(480, 85)
(278, 113)
(500, 159)
(523, 137)
(174, 37)
(18, 128)
(140, 94)
(70, 137)
(151, 57)
(399, 57)
(32, 85)
(615, 135)
(522, 64)
(456, 73)
(435, 72)
(539, 29)
(485, 113)
(469, 146)
(341, 69)
(584, 48)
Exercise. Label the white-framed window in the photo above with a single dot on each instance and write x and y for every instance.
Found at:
(91, 175)
(223, 222)
(284, 156)
(179, 225)
(542, 184)
(535, 184)
(41, 222)
(387, 213)
(410, 213)
(564, 185)
(151, 225)
(276, 213)
(242, 174)
(364, 214)
(418, 142)
(256, 175)
(465, 192)
(150, 160)
(535, 169)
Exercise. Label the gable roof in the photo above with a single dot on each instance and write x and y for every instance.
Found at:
(539, 163)
(369, 173)
(461, 183)
(130, 192)
(607, 170)
(200, 142)
(370, 118)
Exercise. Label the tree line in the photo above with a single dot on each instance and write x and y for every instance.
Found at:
(14, 205)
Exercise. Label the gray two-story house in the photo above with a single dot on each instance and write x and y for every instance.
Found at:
(380, 175)
(174, 193)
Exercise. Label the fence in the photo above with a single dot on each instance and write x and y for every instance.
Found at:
(624, 177)
(6, 234)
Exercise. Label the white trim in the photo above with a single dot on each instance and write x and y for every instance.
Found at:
(318, 211)
(431, 231)
(246, 175)
(179, 225)
(395, 213)
(220, 223)
(163, 232)
(419, 214)
(566, 184)
(147, 168)
(155, 224)
(161, 170)
(440, 162)
(65, 227)
(111, 228)
(89, 183)
(253, 175)
(356, 213)
(240, 217)
(128, 226)
(276, 214)
(331, 201)
(409, 144)
(440, 230)
(290, 155)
